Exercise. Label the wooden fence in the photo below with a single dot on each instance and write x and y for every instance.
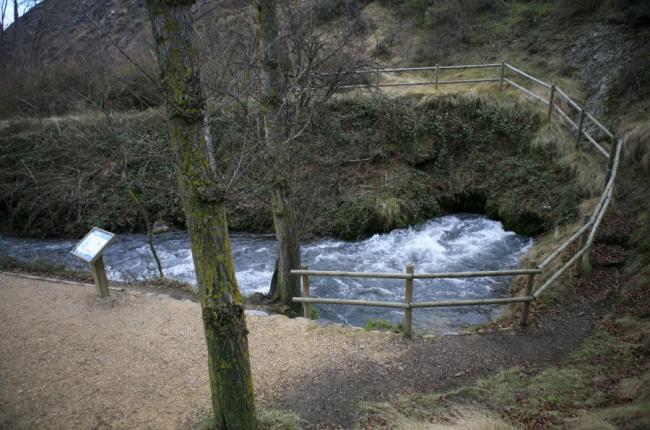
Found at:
(578, 122)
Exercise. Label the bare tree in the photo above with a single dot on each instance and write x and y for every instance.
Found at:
(221, 302)
(137, 200)
(292, 54)
(274, 67)
(3, 12)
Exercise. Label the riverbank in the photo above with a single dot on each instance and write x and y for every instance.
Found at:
(71, 360)
(450, 243)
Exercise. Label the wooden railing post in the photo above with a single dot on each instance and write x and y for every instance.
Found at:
(437, 74)
(551, 103)
(503, 72)
(577, 268)
(529, 290)
(610, 163)
(585, 261)
(408, 312)
(306, 307)
(581, 121)
(99, 276)
(377, 77)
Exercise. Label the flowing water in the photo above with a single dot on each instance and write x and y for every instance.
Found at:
(446, 244)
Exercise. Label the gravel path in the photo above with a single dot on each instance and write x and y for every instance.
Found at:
(72, 361)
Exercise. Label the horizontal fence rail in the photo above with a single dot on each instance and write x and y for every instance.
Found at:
(351, 302)
(554, 101)
(353, 274)
(584, 235)
(476, 302)
(484, 274)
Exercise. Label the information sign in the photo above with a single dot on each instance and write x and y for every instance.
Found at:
(92, 245)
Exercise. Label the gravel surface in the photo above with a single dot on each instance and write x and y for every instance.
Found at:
(70, 360)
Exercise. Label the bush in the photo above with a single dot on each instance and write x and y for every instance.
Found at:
(634, 13)
(447, 23)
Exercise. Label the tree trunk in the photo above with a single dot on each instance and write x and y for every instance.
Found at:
(3, 12)
(273, 67)
(221, 303)
(16, 41)
(286, 285)
(153, 251)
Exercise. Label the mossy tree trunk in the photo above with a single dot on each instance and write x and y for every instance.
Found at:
(274, 64)
(221, 303)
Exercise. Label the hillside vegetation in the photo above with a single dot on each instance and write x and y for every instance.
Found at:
(366, 165)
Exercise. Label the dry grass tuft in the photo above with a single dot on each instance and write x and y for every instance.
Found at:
(588, 171)
(551, 137)
(637, 145)
(452, 418)
(590, 421)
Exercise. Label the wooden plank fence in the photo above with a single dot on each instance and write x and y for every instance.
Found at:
(585, 235)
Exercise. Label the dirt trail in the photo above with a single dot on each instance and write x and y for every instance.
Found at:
(69, 360)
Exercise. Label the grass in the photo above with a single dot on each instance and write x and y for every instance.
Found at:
(43, 268)
(378, 324)
(276, 419)
(60, 271)
(637, 146)
(603, 372)
(315, 313)
(367, 165)
(587, 168)
(268, 419)
(458, 418)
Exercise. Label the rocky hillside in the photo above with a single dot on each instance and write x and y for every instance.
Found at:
(63, 30)
(597, 49)
(56, 31)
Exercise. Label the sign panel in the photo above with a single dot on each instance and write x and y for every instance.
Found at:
(91, 246)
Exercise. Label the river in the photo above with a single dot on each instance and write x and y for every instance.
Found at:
(459, 242)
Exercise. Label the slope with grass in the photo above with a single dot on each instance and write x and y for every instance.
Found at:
(368, 164)
(598, 51)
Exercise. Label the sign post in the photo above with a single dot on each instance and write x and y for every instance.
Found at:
(90, 249)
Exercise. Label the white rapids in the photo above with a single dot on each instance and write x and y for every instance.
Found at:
(446, 244)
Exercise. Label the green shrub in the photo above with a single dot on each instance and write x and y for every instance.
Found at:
(378, 324)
